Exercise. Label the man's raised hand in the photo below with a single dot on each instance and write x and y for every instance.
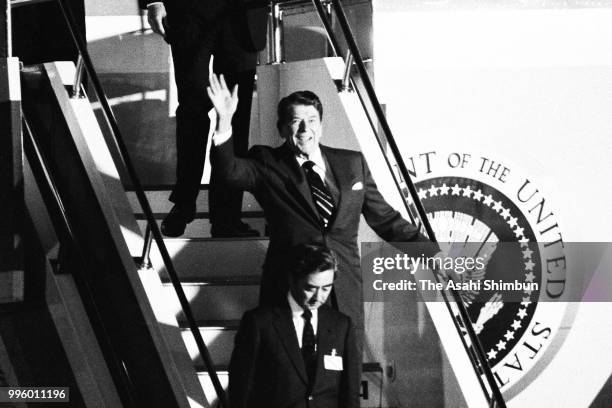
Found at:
(224, 101)
(156, 16)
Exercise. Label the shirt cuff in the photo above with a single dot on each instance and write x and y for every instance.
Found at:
(220, 138)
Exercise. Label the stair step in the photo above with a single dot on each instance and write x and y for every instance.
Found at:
(218, 302)
(200, 227)
(217, 324)
(158, 200)
(207, 385)
(221, 369)
(196, 259)
(220, 281)
(218, 340)
(223, 375)
(203, 215)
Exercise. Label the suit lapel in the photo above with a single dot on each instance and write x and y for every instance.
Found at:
(325, 340)
(286, 333)
(297, 181)
(340, 171)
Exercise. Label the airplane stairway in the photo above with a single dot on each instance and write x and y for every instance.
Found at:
(82, 194)
(200, 296)
(220, 277)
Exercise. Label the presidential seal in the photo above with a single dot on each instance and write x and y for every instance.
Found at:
(473, 198)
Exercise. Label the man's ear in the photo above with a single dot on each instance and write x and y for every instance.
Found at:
(279, 127)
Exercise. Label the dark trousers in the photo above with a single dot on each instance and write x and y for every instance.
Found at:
(191, 65)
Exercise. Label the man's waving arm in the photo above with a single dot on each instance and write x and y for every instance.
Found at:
(238, 173)
(389, 223)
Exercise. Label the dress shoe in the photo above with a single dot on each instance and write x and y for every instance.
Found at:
(175, 222)
(239, 230)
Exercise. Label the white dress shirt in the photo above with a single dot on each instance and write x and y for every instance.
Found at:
(319, 166)
(298, 320)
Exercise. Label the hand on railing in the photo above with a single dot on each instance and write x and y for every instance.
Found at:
(157, 18)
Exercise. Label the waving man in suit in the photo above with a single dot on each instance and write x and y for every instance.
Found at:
(309, 193)
(301, 353)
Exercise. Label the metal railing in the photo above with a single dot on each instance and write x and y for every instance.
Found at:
(64, 231)
(85, 65)
(277, 45)
(376, 116)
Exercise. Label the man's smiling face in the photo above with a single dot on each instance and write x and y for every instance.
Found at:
(302, 129)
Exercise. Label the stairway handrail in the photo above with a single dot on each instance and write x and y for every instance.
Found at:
(64, 230)
(142, 199)
(481, 363)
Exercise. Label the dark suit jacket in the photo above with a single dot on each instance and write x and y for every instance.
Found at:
(188, 17)
(279, 184)
(267, 368)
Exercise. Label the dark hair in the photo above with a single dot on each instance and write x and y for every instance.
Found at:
(307, 98)
(306, 259)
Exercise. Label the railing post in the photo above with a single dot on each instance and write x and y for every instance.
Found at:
(331, 52)
(11, 170)
(78, 78)
(325, 14)
(346, 79)
(145, 259)
(277, 44)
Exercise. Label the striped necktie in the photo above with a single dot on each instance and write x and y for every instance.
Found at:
(320, 194)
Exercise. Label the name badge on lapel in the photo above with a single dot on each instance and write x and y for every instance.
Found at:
(332, 361)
